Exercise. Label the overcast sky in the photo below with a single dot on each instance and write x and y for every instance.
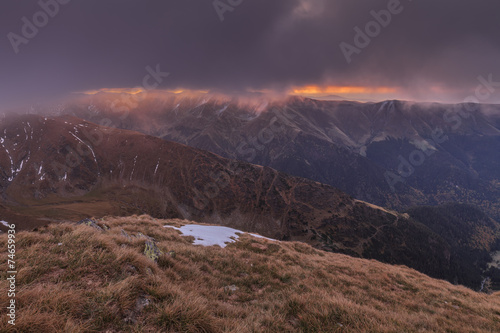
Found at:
(431, 49)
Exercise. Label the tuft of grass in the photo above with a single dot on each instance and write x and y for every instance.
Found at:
(74, 278)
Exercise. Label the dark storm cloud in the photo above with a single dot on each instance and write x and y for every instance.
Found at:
(89, 44)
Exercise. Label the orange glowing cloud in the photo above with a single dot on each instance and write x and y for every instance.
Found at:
(312, 91)
(318, 90)
(138, 90)
(131, 91)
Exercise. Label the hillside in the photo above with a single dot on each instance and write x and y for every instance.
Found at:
(92, 280)
(359, 148)
(55, 169)
(471, 235)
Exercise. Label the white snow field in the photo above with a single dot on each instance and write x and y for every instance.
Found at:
(208, 235)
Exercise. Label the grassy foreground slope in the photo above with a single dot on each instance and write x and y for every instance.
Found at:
(76, 278)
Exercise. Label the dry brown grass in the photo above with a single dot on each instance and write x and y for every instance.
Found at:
(94, 281)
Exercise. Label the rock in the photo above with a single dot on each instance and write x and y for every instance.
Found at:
(141, 302)
(141, 235)
(130, 269)
(230, 289)
(124, 233)
(91, 223)
(171, 254)
(152, 251)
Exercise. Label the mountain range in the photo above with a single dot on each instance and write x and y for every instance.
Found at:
(65, 168)
(394, 154)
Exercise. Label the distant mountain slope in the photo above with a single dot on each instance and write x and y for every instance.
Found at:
(60, 168)
(101, 281)
(471, 234)
(395, 154)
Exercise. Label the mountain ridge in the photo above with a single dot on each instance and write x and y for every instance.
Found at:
(51, 168)
(394, 154)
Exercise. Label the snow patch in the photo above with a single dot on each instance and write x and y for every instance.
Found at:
(5, 224)
(91, 150)
(157, 164)
(207, 235)
(221, 111)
